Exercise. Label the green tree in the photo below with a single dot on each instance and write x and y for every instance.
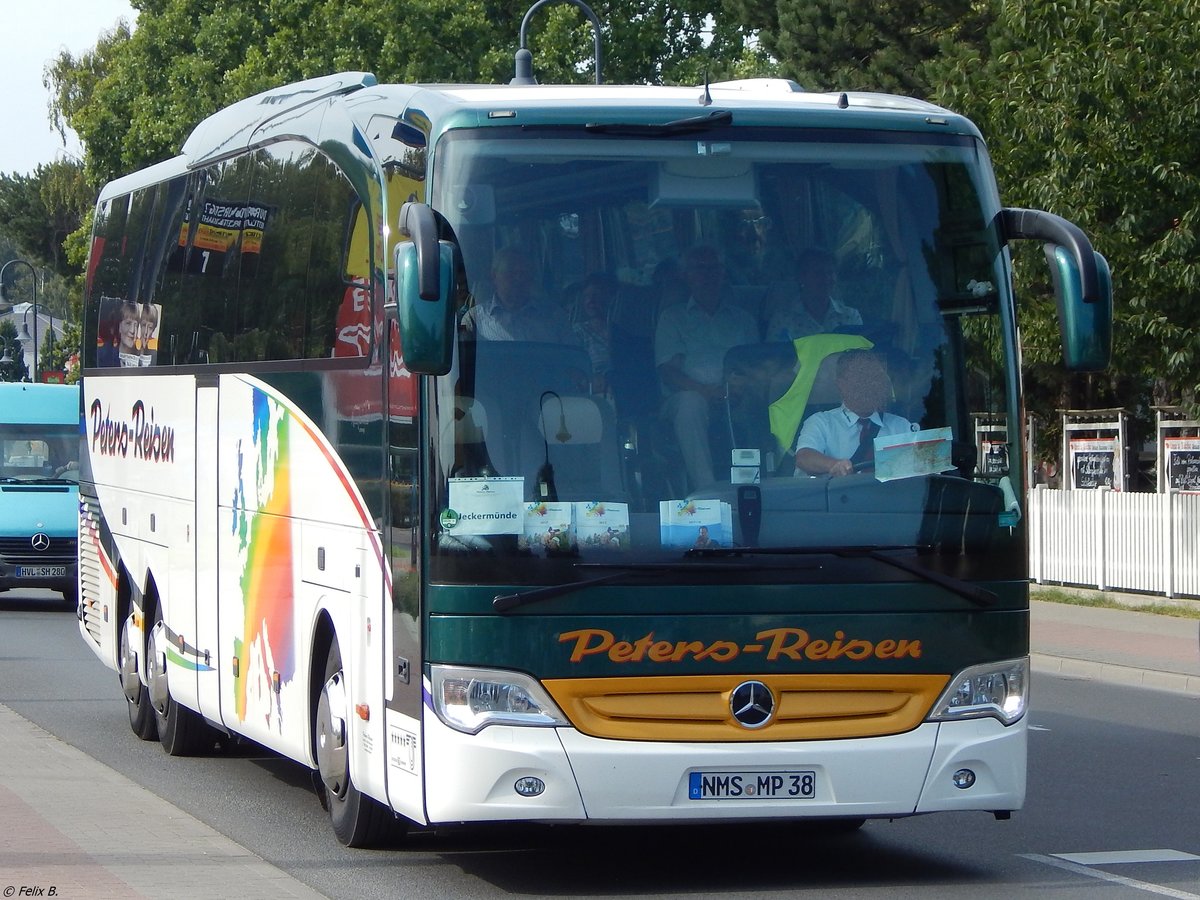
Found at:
(136, 95)
(1095, 122)
(37, 213)
(63, 354)
(863, 45)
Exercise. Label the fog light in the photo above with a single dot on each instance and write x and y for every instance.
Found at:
(529, 786)
(963, 779)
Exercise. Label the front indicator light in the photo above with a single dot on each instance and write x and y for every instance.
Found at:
(471, 699)
(997, 690)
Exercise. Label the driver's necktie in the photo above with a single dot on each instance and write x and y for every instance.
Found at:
(866, 442)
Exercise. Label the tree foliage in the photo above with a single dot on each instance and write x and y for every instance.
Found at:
(863, 45)
(39, 210)
(1095, 122)
(135, 96)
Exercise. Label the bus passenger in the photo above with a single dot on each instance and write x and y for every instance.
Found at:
(689, 349)
(817, 310)
(837, 441)
(591, 318)
(516, 311)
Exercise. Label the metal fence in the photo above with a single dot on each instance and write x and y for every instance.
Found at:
(1113, 540)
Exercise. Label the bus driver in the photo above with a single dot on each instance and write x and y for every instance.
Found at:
(836, 441)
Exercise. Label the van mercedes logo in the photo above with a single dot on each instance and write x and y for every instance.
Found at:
(40, 541)
(752, 704)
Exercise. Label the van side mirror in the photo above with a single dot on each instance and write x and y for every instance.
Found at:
(1082, 284)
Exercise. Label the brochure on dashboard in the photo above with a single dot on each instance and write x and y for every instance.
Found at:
(695, 524)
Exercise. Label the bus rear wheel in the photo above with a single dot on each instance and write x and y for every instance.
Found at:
(358, 820)
(137, 696)
(181, 731)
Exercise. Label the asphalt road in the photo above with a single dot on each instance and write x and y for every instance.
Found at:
(1113, 770)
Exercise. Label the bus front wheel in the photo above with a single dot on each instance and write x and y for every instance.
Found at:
(141, 713)
(181, 731)
(358, 820)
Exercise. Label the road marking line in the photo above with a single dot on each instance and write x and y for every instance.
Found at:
(1112, 879)
(1126, 856)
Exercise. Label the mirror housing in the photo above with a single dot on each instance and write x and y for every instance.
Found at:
(1086, 328)
(425, 290)
(1082, 284)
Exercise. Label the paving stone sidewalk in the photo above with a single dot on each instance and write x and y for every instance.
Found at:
(76, 829)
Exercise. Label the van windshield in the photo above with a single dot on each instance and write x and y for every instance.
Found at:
(747, 338)
(31, 452)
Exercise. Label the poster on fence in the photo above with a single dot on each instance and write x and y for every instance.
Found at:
(1183, 464)
(1096, 463)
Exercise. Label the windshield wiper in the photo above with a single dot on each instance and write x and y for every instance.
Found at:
(505, 602)
(678, 126)
(965, 589)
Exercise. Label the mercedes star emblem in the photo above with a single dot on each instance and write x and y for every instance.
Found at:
(752, 704)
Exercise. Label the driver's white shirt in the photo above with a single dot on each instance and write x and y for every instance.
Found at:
(835, 432)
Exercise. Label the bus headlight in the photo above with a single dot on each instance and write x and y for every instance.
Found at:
(470, 699)
(999, 690)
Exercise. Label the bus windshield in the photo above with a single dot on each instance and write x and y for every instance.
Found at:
(652, 325)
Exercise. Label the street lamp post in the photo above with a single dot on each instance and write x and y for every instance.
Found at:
(8, 343)
(33, 277)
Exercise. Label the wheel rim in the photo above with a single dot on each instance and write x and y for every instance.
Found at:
(156, 671)
(331, 736)
(131, 682)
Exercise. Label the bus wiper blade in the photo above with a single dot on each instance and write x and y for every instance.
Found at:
(830, 550)
(678, 126)
(505, 602)
(972, 592)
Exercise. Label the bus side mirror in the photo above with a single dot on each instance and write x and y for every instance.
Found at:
(1086, 326)
(1082, 284)
(426, 326)
(424, 268)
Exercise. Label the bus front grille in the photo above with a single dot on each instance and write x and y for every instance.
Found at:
(698, 708)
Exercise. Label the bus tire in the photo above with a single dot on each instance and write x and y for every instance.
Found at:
(181, 731)
(358, 820)
(137, 695)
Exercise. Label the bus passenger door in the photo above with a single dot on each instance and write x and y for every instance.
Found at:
(205, 547)
(402, 538)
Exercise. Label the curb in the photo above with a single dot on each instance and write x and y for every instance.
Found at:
(1115, 674)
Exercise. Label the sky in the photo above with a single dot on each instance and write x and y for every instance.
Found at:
(32, 34)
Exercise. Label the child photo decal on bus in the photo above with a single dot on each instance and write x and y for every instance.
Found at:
(128, 333)
(149, 317)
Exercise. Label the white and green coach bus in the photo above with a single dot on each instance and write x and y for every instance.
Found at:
(458, 570)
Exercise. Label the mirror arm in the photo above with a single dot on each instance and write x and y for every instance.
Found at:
(417, 222)
(1033, 224)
